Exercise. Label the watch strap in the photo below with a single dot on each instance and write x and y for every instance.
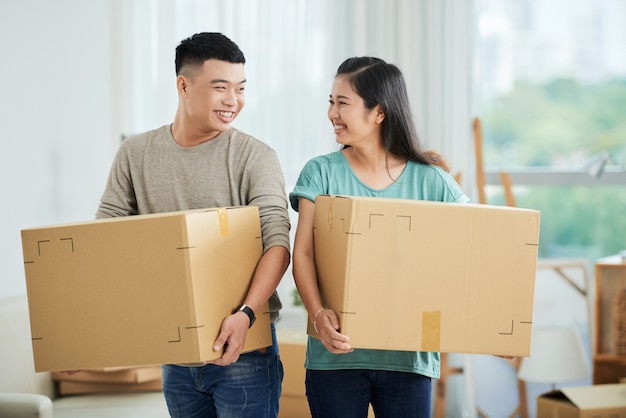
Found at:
(248, 311)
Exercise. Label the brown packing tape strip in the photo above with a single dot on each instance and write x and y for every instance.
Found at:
(222, 217)
(431, 331)
(331, 212)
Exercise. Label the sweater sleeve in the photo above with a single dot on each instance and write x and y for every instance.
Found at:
(118, 198)
(266, 189)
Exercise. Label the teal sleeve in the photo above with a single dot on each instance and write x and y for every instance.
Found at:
(309, 184)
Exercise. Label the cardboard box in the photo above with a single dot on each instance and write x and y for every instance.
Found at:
(76, 388)
(112, 375)
(598, 401)
(293, 401)
(293, 407)
(292, 345)
(140, 290)
(428, 276)
(110, 379)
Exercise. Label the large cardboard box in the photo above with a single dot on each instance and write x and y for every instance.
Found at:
(140, 290)
(598, 401)
(428, 276)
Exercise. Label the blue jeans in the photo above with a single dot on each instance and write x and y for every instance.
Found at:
(250, 387)
(348, 393)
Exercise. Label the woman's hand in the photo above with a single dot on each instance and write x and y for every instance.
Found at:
(327, 327)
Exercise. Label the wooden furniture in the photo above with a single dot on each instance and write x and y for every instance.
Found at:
(561, 267)
(509, 198)
(522, 408)
(480, 170)
(609, 354)
(481, 182)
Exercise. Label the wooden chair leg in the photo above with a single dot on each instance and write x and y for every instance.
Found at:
(480, 170)
(509, 198)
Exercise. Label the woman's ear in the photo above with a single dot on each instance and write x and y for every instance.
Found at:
(380, 114)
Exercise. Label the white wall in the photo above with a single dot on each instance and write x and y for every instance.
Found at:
(58, 134)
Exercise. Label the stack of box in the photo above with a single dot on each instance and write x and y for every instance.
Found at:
(113, 379)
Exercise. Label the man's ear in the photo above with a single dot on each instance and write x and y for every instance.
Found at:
(181, 84)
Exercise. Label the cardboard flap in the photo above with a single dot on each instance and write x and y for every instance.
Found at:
(597, 396)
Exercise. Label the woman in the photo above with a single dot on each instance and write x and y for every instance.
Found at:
(381, 156)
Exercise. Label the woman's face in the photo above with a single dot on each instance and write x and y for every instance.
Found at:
(352, 121)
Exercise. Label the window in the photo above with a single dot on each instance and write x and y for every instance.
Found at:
(550, 90)
(551, 95)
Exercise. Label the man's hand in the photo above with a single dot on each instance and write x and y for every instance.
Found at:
(232, 338)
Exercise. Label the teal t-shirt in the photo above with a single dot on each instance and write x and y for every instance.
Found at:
(331, 174)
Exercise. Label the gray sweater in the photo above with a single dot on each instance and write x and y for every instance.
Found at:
(151, 173)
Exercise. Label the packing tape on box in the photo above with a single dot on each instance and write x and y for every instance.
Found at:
(331, 212)
(431, 331)
(222, 217)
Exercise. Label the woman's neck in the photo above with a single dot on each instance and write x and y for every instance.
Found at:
(374, 166)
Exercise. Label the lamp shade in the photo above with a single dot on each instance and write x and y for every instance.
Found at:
(556, 355)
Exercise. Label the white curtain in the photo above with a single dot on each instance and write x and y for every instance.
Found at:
(293, 48)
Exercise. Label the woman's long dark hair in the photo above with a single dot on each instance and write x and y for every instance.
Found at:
(380, 83)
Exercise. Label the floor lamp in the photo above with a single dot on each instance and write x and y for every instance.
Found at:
(556, 356)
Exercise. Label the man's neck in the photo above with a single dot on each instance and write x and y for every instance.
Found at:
(186, 137)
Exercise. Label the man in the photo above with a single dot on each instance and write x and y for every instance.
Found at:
(200, 161)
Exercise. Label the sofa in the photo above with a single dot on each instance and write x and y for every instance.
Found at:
(25, 393)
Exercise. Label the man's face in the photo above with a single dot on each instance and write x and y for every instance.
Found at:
(213, 95)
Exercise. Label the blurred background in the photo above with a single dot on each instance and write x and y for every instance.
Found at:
(547, 81)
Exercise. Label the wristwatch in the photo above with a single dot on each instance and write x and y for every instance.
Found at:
(246, 309)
